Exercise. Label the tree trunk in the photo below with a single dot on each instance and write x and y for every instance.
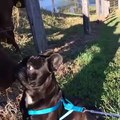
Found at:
(36, 23)
(85, 12)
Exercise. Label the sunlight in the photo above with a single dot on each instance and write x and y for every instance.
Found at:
(85, 58)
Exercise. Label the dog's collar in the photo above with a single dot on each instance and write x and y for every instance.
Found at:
(67, 106)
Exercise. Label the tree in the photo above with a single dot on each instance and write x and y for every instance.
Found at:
(36, 23)
(85, 12)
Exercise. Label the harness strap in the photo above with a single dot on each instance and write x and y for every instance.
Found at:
(70, 106)
(66, 114)
(67, 106)
(45, 111)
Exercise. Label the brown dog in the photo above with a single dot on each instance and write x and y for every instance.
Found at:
(42, 90)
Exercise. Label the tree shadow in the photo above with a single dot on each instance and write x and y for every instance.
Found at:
(111, 16)
(88, 82)
(112, 19)
(74, 40)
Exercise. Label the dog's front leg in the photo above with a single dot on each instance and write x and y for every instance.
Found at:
(23, 108)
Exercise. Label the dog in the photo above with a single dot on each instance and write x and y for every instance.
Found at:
(6, 23)
(36, 74)
(7, 70)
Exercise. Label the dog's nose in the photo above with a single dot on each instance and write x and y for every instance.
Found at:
(32, 76)
(30, 67)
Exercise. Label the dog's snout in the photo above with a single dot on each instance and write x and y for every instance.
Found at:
(32, 76)
(31, 73)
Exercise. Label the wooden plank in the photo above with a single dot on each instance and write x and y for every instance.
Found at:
(36, 23)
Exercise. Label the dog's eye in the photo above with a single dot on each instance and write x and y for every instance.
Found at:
(30, 67)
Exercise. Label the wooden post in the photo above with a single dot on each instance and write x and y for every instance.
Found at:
(53, 5)
(102, 9)
(85, 12)
(106, 8)
(98, 9)
(100, 6)
(36, 23)
(105, 5)
(119, 4)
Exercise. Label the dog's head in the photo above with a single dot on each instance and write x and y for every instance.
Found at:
(34, 70)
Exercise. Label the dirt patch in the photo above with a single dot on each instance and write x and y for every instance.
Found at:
(73, 45)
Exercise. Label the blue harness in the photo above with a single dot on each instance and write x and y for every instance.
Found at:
(67, 106)
(45, 111)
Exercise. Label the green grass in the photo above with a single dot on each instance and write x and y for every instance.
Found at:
(96, 68)
(98, 78)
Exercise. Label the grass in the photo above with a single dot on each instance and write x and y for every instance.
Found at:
(97, 79)
(92, 63)
(96, 68)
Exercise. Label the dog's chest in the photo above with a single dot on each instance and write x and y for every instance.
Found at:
(28, 99)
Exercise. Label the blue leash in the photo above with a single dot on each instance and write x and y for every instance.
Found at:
(103, 113)
(70, 107)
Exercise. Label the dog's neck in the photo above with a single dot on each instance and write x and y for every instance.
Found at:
(47, 95)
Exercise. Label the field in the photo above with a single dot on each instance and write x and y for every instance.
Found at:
(91, 68)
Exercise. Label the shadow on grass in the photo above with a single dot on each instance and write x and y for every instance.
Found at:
(73, 40)
(88, 83)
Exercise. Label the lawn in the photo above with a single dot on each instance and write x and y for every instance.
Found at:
(97, 78)
(92, 68)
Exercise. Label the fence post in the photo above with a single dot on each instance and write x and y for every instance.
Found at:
(36, 24)
(119, 4)
(98, 9)
(85, 12)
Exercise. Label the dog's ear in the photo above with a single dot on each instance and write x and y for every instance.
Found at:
(48, 52)
(21, 64)
(24, 61)
(55, 61)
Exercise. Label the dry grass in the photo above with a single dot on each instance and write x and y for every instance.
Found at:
(9, 102)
